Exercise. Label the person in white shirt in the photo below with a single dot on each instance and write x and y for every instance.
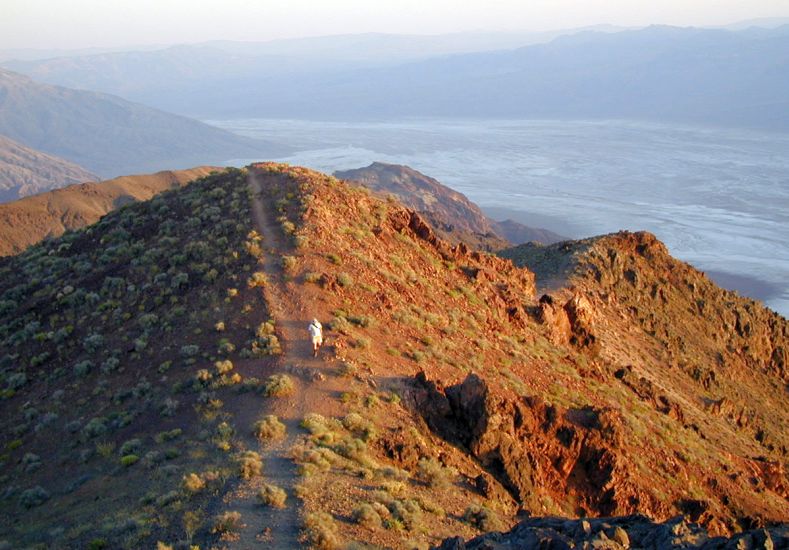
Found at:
(316, 334)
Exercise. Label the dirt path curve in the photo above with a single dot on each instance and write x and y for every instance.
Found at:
(266, 527)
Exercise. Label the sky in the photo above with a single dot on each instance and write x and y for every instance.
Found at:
(71, 24)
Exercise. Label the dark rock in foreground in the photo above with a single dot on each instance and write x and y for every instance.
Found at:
(618, 533)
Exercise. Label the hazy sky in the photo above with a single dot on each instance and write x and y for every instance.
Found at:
(107, 23)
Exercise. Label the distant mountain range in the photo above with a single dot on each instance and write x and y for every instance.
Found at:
(109, 135)
(25, 171)
(717, 76)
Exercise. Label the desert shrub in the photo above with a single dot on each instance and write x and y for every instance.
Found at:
(131, 446)
(288, 227)
(128, 460)
(223, 367)
(312, 277)
(344, 280)
(334, 258)
(33, 497)
(271, 495)
(161, 437)
(148, 321)
(279, 385)
(226, 347)
(364, 514)
(393, 473)
(269, 427)
(288, 263)
(16, 380)
(226, 522)
(95, 427)
(110, 365)
(82, 368)
(358, 425)
(193, 483)
(481, 517)
(189, 350)
(348, 369)
(30, 462)
(168, 407)
(258, 279)
(434, 474)
(320, 531)
(249, 464)
(105, 448)
(93, 342)
(167, 498)
(318, 424)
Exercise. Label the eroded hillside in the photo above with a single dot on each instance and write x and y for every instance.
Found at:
(447, 398)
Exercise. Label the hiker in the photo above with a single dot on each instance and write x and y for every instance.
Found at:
(316, 333)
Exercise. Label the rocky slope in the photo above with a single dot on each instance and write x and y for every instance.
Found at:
(451, 214)
(27, 221)
(108, 135)
(449, 399)
(25, 171)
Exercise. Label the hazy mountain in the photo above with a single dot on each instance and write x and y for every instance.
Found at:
(109, 135)
(25, 171)
(30, 220)
(159, 385)
(156, 76)
(664, 73)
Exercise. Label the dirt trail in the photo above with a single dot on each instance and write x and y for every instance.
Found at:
(264, 526)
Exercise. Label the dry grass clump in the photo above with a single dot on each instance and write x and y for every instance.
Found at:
(320, 531)
(269, 427)
(271, 495)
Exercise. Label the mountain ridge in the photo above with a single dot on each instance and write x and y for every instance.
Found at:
(447, 397)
